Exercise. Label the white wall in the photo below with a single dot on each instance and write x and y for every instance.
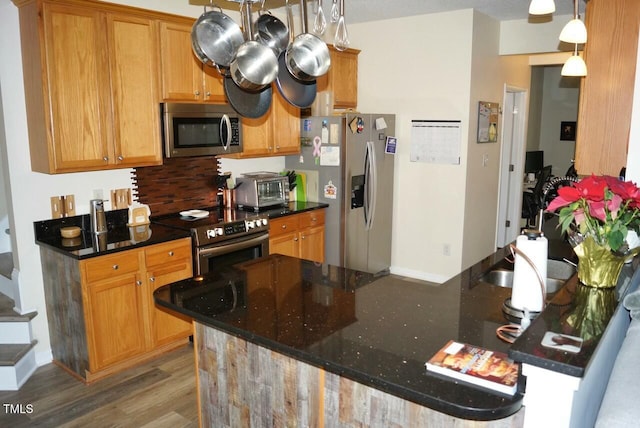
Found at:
(532, 35)
(420, 74)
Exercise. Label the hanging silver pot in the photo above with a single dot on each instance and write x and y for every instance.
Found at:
(271, 31)
(307, 57)
(215, 38)
(255, 65)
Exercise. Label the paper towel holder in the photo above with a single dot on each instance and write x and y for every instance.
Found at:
(517, 314)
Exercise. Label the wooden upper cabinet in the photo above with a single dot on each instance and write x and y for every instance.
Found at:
(75, 91)
(184, 76)
(90, 87)
(133, 66)
(342, 78)
(606, 93)
(277, 133)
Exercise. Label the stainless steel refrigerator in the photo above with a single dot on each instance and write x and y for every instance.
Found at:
(348, 164)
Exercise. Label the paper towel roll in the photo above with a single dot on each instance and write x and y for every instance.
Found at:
(526, 286)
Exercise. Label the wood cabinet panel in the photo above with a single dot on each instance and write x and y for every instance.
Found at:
(122, 321)
(342, 78)
(91, 86)
(76, 86)
(277, 133)
(115, 314)
(184, 77)
(133, 65)
(299, 235)
(606, 93)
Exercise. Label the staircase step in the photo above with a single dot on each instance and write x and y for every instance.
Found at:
(11, 354)
(6, 264)
(7, 314)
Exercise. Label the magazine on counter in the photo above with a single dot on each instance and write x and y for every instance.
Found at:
(476, 365)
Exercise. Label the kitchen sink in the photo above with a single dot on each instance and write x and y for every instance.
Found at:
(558, 272)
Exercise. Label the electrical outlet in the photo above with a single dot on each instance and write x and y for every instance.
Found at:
(446, 250)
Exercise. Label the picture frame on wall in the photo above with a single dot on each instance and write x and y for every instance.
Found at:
(488, 122)
(567, 131)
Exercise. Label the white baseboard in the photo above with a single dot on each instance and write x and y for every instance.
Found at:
(44, 357)
(425, 276)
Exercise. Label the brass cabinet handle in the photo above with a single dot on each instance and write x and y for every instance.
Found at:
(152, 279)
(120, 158)
(170, 253)
(284, 226)
(197, 93)
(138, 283)
(115, 267)
(105, 158)
(295, 239)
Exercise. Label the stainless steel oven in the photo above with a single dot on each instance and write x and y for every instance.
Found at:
(222, 238)
(219, 254)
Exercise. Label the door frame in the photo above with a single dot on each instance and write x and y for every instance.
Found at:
(511, 164)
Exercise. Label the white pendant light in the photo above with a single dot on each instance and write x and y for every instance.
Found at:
(575, 30)
(542, 7)
(574, 66)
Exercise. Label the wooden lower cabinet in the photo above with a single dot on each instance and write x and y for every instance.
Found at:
(299, 235)
(102, 317)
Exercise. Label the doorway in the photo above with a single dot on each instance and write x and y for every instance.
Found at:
(511, 164)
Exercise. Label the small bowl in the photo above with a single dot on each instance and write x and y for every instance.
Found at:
(70, 232)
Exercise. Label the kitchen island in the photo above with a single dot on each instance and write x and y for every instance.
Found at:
(297, 342)
(303, 343)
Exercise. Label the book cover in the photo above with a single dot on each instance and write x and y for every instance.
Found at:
(476, 365)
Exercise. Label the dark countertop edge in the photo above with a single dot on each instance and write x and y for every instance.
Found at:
(173, 235)
(524, 356)
(446, 407)
(294, 208)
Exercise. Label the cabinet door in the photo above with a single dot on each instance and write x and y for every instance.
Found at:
(181, 71)
(213, 85)
(287, 244)
(342, 78)
(312, 244)
(167, 263)
(257, 135)
(286, 126)
(133, 64)
(606, 94)
(117, 321)
(76, 88)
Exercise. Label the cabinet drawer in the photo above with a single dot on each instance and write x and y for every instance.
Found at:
(168, 252)
(311, 218)
(282, 225)
(104, 267)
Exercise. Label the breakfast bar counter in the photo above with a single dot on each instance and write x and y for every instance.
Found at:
(333, 337)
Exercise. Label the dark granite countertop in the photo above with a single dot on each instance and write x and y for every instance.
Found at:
(575, 310)
(376, 330)
(119, 237)
(294, 208)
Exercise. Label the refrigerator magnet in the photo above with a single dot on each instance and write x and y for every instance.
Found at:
(330, 191)
(307, 125)
(390, 146)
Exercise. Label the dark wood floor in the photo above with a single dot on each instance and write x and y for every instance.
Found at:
(160, 393)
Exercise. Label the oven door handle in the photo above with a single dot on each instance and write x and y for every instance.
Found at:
(225, 248)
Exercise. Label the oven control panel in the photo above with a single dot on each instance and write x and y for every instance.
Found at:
(237, 228)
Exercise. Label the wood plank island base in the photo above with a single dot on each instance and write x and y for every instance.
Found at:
(244, 384)
(282, 341)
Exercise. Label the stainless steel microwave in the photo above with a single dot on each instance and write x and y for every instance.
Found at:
(200, 129)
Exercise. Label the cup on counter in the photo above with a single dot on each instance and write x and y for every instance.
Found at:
(228, 198)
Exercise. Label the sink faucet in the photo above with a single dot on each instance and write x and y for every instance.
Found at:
(551, 184)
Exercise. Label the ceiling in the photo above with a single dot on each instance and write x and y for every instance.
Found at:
(375, 10)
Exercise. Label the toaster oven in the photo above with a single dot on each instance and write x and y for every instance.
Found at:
(260, 190)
